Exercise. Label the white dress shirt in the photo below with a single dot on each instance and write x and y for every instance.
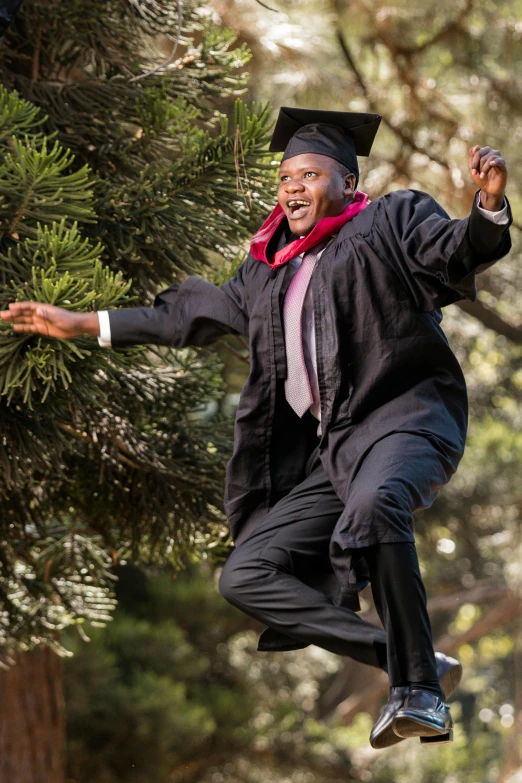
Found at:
(309, 348)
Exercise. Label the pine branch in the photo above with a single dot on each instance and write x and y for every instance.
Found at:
(162, 66)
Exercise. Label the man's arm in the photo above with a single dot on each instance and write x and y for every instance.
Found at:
(437, 258)
(500, 218)
(488, 171)
(193, 313)
(50, 321)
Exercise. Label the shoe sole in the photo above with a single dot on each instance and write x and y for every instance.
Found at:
(386, 739)
(409, 727)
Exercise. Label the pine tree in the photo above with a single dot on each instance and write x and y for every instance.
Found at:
(118, 175)
(127, 173)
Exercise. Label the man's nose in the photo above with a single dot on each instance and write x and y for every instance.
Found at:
(291, 186)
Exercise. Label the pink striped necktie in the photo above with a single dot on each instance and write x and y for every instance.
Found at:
(298, 391)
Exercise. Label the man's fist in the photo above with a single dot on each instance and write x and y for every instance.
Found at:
(489, 173)
(51, 321)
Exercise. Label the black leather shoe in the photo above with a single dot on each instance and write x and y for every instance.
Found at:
(383, 735)
(424, 715)
(449, 672)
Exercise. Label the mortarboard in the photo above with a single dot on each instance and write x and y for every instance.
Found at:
(338, 134)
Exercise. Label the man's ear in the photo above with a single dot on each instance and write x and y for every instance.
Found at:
(350, 184)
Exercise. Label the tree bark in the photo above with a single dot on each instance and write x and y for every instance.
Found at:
(32, 735)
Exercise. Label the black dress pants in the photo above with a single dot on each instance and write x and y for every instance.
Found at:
(268, 577)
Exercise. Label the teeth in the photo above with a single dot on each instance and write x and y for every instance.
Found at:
(298, 203)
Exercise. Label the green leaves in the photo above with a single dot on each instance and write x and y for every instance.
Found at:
(215, 191)
(17, 116)
(65, 270)
(36, 184)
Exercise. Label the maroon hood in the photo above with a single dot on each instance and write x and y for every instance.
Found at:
(325, 228)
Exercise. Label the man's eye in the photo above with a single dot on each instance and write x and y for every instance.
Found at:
(310, 174)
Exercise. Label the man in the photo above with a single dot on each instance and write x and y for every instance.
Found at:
(354, 413)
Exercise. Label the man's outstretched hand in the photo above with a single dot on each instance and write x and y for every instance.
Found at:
(51, 321)
(489, 173)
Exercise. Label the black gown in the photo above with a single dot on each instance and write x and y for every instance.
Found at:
(383, 362)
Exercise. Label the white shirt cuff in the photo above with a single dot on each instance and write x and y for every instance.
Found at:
(501, 217)
(105, 329)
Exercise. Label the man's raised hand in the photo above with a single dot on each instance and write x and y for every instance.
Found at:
(50, 321)
(489, 173)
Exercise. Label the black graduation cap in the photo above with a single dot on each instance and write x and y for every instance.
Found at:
(340, 135)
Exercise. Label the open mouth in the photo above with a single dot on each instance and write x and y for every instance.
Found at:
(297, 207)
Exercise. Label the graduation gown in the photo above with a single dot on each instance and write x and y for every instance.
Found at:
(383, 362)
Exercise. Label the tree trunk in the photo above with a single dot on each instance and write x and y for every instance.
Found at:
(32, 733)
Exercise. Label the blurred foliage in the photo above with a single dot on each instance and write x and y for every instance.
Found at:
(173, 690)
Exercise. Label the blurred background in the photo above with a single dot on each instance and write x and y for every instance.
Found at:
(121, 662)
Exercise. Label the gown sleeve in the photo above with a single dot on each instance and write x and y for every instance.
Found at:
(437, 258)
(194, 312)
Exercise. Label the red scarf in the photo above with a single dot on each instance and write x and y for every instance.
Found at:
(325, 228)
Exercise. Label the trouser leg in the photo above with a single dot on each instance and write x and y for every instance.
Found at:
(400, 600)
(401, 473)
(262, 574)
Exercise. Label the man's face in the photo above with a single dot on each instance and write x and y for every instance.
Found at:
(312, 187)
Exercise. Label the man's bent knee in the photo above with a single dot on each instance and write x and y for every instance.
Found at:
(237, 581)
(228, 583)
